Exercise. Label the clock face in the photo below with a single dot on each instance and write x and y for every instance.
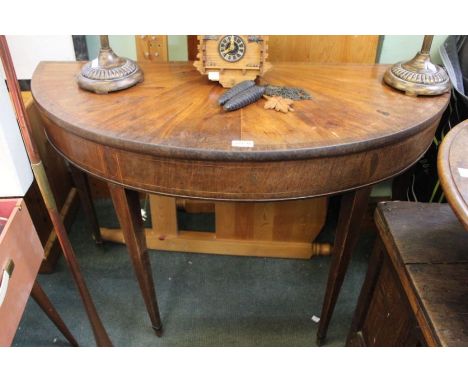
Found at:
(231, 48)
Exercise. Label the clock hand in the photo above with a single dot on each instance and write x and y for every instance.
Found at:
(231, 46)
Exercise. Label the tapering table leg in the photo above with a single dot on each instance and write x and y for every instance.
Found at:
(80, 179)
(127, 206)
(365, 297)
(38, 294)
(352, 211)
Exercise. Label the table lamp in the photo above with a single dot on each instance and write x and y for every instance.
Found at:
(419, 76)
(109, 72)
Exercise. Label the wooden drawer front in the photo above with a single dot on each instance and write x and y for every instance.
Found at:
(389, 320)
(18, 242)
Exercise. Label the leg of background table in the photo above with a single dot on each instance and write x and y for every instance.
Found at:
(127, 207)
(38, 294)
(352, 211)
(81, 183)
(364, 300)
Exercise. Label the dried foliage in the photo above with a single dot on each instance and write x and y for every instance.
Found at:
(278, 103)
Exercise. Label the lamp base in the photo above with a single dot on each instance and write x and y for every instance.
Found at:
(418, 76)
(109, 73)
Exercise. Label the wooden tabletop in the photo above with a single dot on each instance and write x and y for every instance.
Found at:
(355, 131)
(452, 164)
(174, 112)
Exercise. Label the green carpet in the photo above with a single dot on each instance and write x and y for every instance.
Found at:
(204, 300)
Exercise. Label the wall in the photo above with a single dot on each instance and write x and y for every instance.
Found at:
(125, 46)
(15, 171)
(28, 51)
(400, 48)
(394, 48)
(177, 46)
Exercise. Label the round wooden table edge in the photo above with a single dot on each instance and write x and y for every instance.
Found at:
(450, 188)
(223, 199)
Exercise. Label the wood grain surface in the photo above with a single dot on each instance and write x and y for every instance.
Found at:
(169, 136)
(452, 165)
(355, 49)
(428, 249)
(174, 112)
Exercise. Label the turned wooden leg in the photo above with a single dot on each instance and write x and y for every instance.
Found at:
(80, 179)
(38, 294)
(352, 211)
(127, 207)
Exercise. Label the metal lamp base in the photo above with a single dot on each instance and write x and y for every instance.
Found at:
(418, 76)
(109, 72)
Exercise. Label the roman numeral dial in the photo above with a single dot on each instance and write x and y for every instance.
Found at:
(231, 48)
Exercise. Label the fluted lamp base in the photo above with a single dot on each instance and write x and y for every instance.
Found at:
(109, 72)
(418, 76)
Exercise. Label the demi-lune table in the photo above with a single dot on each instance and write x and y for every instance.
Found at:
(452, 166)
(168, 136)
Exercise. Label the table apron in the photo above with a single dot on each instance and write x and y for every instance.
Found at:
(240, 181)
